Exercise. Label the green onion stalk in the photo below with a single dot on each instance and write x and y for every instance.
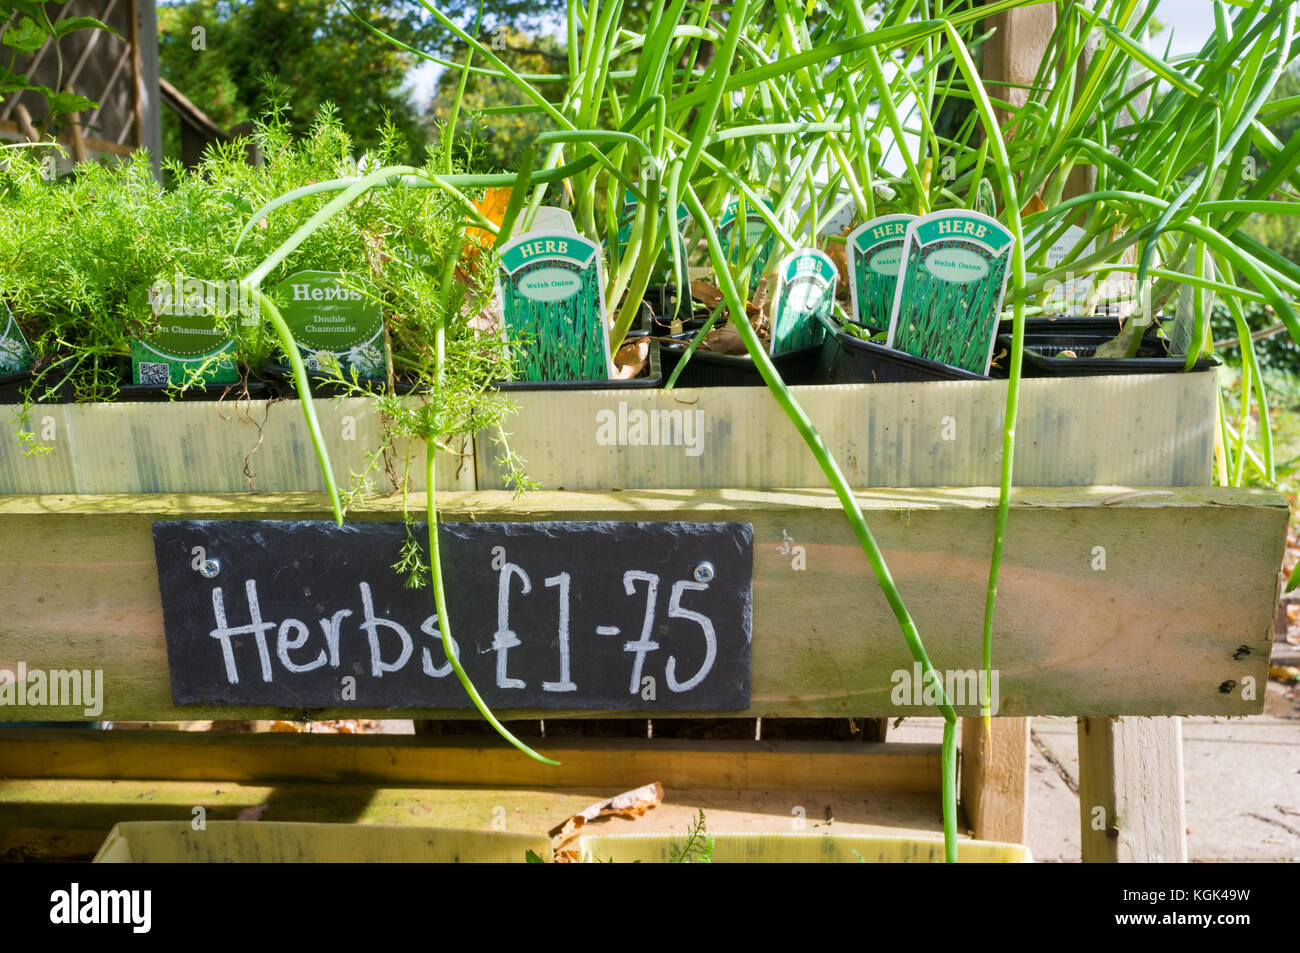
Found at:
(830, 467)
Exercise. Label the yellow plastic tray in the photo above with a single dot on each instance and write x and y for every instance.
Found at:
(277, 842)
(283, 842)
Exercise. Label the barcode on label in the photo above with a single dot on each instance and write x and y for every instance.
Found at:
(152, 373)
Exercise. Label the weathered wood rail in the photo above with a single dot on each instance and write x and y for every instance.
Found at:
(1129, 588)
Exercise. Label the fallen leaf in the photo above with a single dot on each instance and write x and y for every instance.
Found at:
(1035, 204)
(706, 294)
(253, 813)
(631, 359)
(630, 804)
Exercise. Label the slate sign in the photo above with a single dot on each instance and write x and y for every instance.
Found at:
(577, 615)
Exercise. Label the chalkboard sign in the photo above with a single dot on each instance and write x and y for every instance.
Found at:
(561, 615)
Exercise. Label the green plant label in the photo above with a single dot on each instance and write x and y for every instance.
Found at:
(334, 323)
(192, 343)
(985, 203)
(805, 295)
(756, 233)
(552, 296)
(15, 355)
(663, 266)
(875, 254)
(951, 281)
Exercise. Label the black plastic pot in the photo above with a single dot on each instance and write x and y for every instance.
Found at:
(129, 392)
(322, 384)
(706, 369)
(651, 378)
(845, 359)
(1043, 356)
(1102, 325)
(13, 388)
(252, 390)
(664, 304)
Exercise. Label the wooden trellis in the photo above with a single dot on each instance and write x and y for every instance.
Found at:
(119, 72)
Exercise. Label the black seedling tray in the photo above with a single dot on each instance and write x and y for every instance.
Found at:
(256, 390)
(1102, 325)
(1043, 356)
(846, 359)
(324, 385)
(664, 304)
(652, 377)
(706, 369)
(13, 386)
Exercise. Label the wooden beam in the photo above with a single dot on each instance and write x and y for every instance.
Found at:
(995, 778)
(397, 759)
(137, 74)
(212, 446)
(882, 434)
(1131, 804)
(904, 434)
(1178, 622)
(92, 143)
(24, 124)
(1013, 53)
(79, 153)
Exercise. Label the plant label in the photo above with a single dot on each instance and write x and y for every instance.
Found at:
(1071, 293)
(663, 268)
(556, 615)
(1183, 329)
(985, 203)
(552, 296)
(738, 244)
(15, 355)
(805, 295)
(875, 255)
(334, 324)
(192, 343)
(548, 218)
(951, 282)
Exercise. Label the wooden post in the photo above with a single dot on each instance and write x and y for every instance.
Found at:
(1013, 53)
(995, 778)
(79, 153)
(1131, 790)
(995, 767)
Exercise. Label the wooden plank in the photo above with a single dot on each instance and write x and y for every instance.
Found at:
(881, 434)
(211, 446)
(137, 75)
(147, 108)
(395, 759)
(1131, 805)
(995, 778)
(1013, 53)
(92, 143)
(68, 819)
(1178, 622)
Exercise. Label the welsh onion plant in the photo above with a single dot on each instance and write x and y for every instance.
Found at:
(676, 122)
